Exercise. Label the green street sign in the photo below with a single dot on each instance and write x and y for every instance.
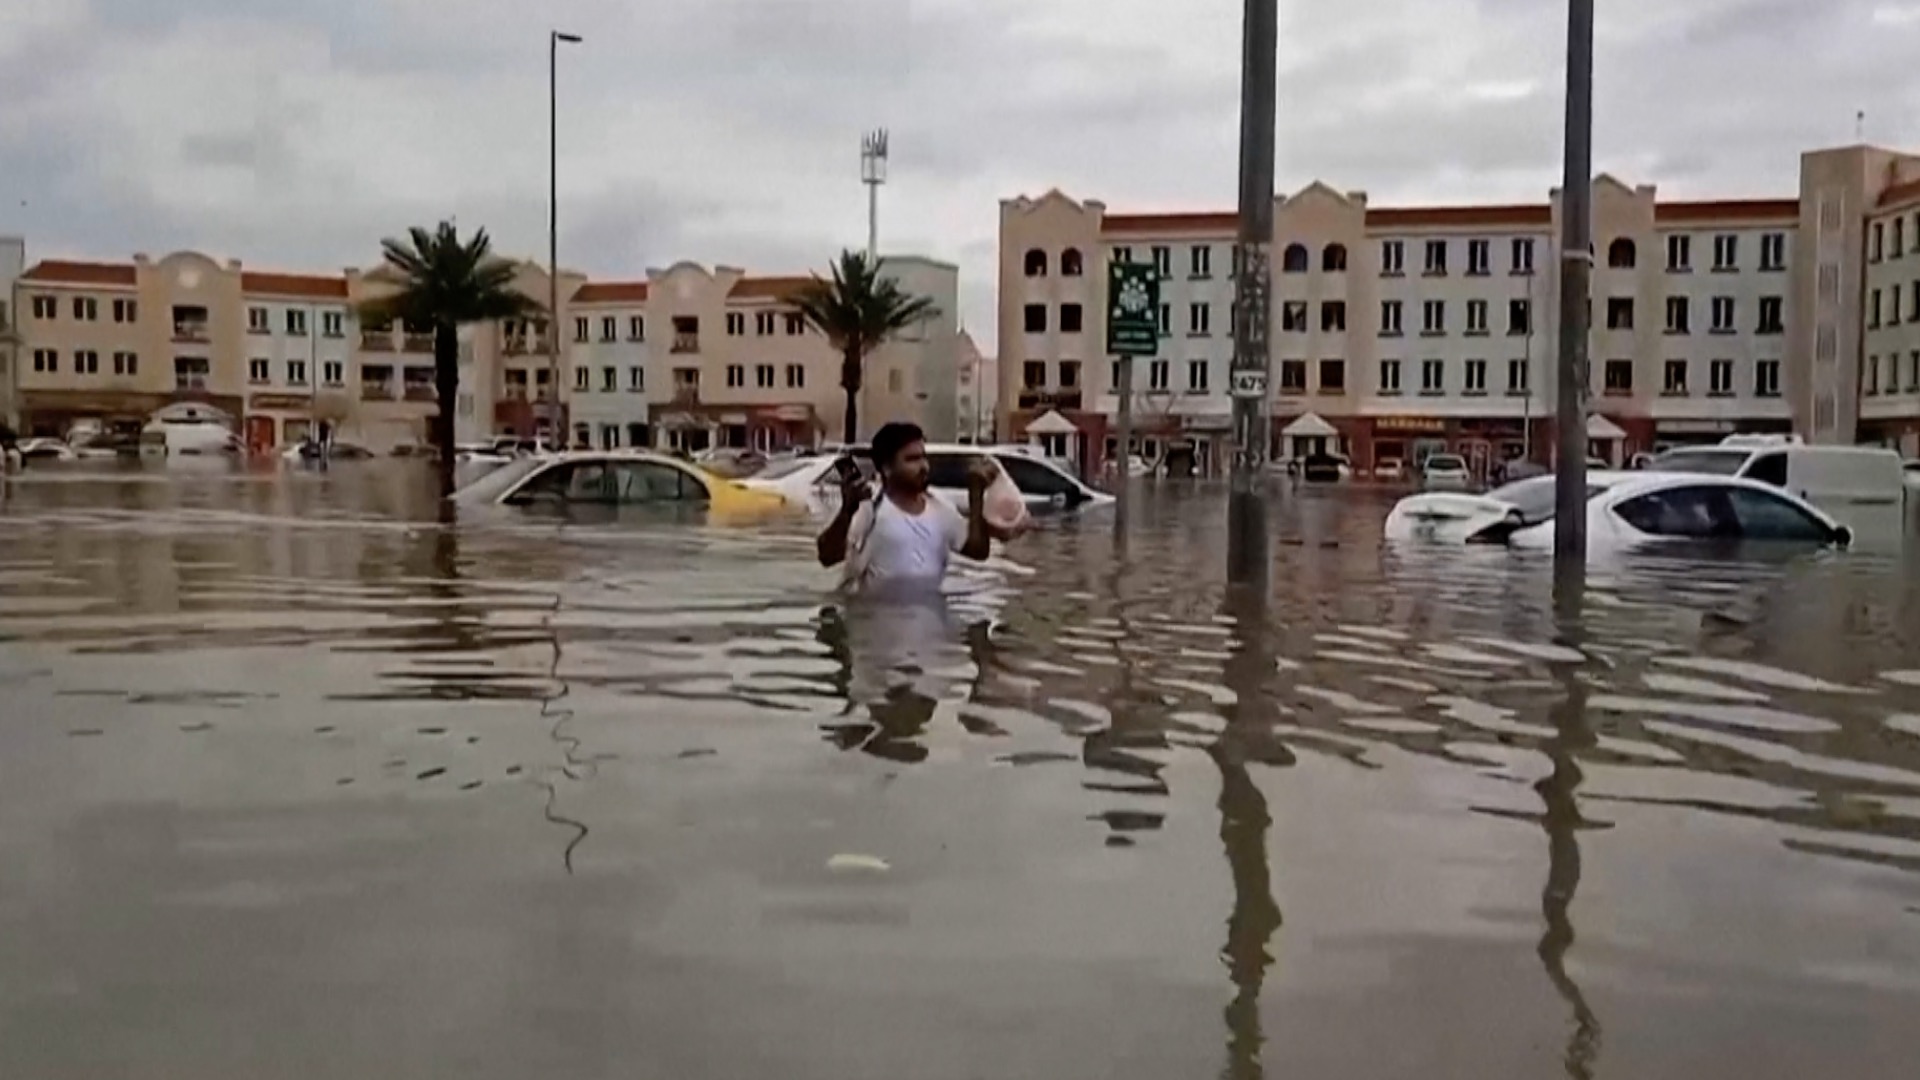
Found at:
(1133, 309)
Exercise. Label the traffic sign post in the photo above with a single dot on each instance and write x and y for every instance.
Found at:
(1133, 329)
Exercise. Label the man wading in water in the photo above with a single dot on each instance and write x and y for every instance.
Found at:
(899, 541)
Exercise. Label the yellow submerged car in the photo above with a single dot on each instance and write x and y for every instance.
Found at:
(617, 478)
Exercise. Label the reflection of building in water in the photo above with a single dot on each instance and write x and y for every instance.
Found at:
(1399, 331)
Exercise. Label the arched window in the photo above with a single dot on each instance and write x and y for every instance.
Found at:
(1070, 264)
(1294, 261)
(1036, 263)
(1620, 254)
(1333, 258)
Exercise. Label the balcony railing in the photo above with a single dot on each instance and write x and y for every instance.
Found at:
(415, 391)
(1050, 399)
(418, 343)
(190, 384)
(376, 340)
(686, 343)
(190, 331)
(376, 391)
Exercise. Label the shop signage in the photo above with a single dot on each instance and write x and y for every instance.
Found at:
(1410, 423)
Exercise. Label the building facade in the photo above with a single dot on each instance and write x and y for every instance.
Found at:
(13, 263)
(977, 398)
(688, 358)
(1401, 331)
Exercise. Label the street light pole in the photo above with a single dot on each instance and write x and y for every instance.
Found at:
(1576, 266)
(554, 38)
(1247, 555)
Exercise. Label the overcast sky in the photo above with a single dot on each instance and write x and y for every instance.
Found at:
(294, 133)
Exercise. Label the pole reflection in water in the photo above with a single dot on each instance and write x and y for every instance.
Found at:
(1244, 822)
(1562, 821)
(571, 766)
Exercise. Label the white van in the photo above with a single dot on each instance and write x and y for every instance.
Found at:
(1835, 476)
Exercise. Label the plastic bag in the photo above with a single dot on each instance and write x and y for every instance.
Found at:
(1004, 506)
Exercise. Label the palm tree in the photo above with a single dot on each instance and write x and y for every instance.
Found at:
(446, 283)
(858, 311)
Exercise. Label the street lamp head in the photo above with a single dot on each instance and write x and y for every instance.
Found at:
(571, 39)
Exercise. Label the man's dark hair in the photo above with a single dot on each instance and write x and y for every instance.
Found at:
(893, 438)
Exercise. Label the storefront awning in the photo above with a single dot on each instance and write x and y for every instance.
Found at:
(1310, 426)
(1052, 423)
(1603, 429)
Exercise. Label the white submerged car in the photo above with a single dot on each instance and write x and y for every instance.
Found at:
(1042, 483)
(1624, 510)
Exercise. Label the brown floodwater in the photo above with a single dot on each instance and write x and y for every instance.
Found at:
(298, 781)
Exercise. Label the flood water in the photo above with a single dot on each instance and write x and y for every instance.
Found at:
(297, 781)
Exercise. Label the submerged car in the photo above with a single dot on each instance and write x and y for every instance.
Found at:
(1624, 510)
(615, 478)
(1445, 472)
(1042, 483)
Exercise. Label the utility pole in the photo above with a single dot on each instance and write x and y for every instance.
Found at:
(1247, 555)
(554, 38)
(1576, 267)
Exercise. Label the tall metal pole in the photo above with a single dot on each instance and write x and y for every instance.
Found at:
(1123, 452)
(1576, 266)
(554, 38)
(873, 173)
(1247, 555)
(1526, 403)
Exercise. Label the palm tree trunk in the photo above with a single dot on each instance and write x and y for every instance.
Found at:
(446, 390)
(850, 382)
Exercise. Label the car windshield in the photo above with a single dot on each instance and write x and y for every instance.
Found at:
(495, 484)
(1714, 462)
(1534, 497)
(1447, 463)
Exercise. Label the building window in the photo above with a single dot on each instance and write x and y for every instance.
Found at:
(1476, 377)
(1293, 317)
(1876, 242)
(1069, 375)
(1893, 306)
(1519, 317)
(1389, 318)
(1873, 310)
(1721, 312)
(1333, 258)
(636, 379)
(1389, 376)
(1159, 375)
(1517, 377)
(1033, 375)
(1766, 379)
(1679, 253)
(609, 328)
(1679, 316)
(737, 324)
(126, 363)
(125, 311)
(686, 380)
(1617, 378)
(1122, 255)
(46, 307)
(1036, 263)
(1522, 255)
(609, 379)
(1333, 316)
(86, 362)
(1720, 378)
(1772, 318)
(1293, 376)
(636, 328)
(1620, 313)
(86, 309)
(1621, 254)
(1166, 320)
(1072, 319)
(1197, 376)
(1674, 384)
(259, 321)
(1333, 376)
(1034, 318)
(763, 376)
(297, 323)
(1726, 252)
(1479, 258)
(296, 373)
(796, 377)
(1773, 251)
(736, 376)
(1393, 258)
(764, 323)
(1433, 377)
(333, 373)
(1163, 261)
(1294, 260)
(191, 372)
(582, 378)
(46, 361)
(1071, 265)
(1199, 320)
(1433, 317)
(1870, 377)
(259, 371)
(1476, 317)
(1436, 264)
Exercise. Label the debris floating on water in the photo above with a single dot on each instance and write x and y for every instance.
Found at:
(862, 864)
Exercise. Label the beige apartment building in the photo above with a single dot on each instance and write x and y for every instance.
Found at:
(686, 359)
(1401, 331)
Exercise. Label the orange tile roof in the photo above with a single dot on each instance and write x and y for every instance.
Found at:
(305, 286)
(68, 272)
(1709, 211)
(1900, 193)
(1418, 217)
(611, 292)
(767, 288)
